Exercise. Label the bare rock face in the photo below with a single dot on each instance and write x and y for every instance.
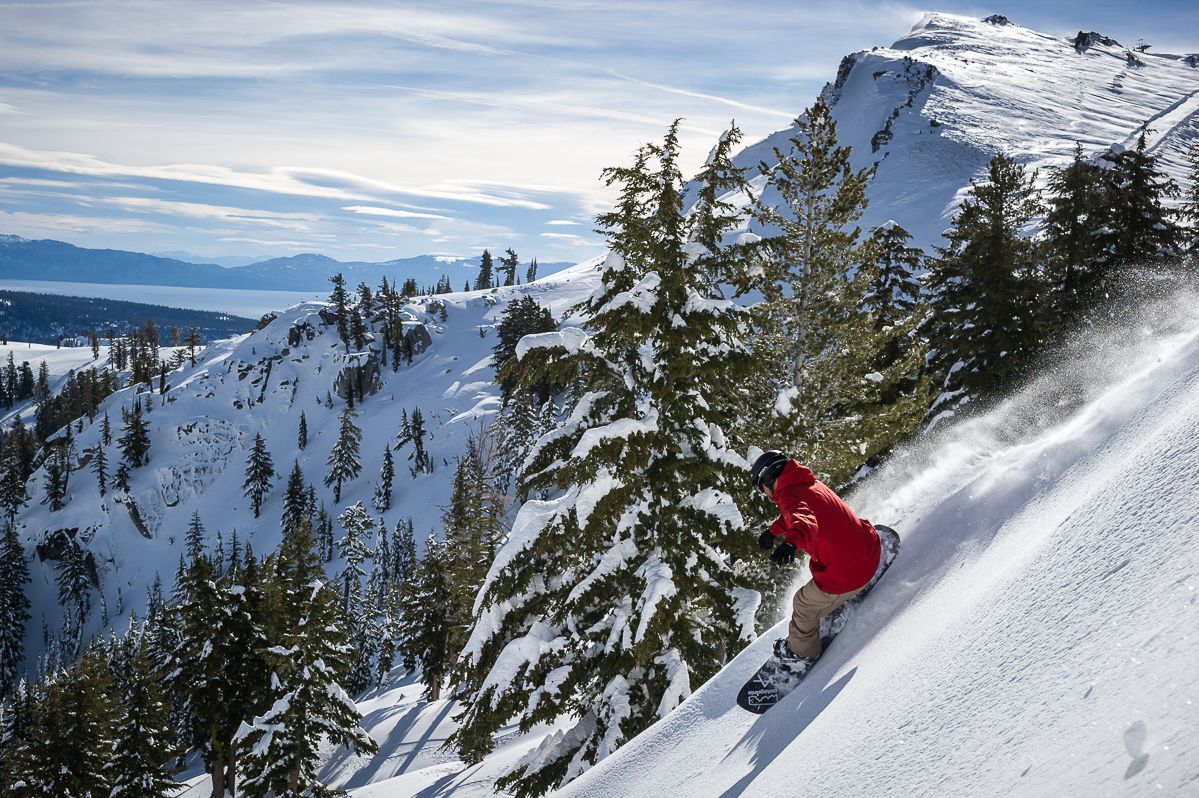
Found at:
(417, 335)
(266, 319)
(361, 373)
(328, 316)
(1084, 40)
(300, 332)
(54, 546)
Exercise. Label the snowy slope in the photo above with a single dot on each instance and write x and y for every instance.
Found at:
(931, 110)
(260, 382)
(1036, 636)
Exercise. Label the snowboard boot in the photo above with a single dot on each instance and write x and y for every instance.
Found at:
(790, 662)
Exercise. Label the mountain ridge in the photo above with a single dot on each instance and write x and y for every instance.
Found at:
(52, 260)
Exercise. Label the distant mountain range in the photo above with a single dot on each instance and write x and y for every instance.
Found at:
(46, 259)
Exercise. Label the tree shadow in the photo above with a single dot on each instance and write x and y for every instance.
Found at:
(772, 732)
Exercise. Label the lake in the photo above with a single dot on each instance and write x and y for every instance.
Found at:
(252, 304)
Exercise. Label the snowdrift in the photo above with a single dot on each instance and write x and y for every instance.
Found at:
(1037, 634)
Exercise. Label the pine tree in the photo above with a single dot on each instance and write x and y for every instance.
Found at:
(100, 468)
(343, 459)
(1189, 210)
(1074, 218)
(324, 534)
(639, 593)
(75, 581)
(134, 442)
(295, 499)
(354, 549)
(403, 549)
(531, 273)
(141, 762)
(67, 746)
(54, 485)
(1140, 229)
(302, 434)
(382, 499)
(14, 606)
(260, 471)
(217, 665)
(508, 265)
(106, 431)
(340, 299)
(484, 280)
(894, 288)
(425, 628)
(522, 317)
(307, 706)
(825, 395)
(422, 463)
(986, 289)
(357, 328)
(196, 537)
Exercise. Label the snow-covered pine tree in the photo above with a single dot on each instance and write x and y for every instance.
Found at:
(1140, 228)
(134, 442)
(1075, 215)
(354, 547)
(295, 499)
(260, 472)
(424, 627)
(484, 280)
(302, 432)
(142, 759)
(613, 600)
(307, 706)
(382, 497)
(343, 461)
(217, 665)
(75, 582)
(14, 606)
(986, 290)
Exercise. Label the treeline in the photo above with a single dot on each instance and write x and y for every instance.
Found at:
(50, 318)
(244, 662)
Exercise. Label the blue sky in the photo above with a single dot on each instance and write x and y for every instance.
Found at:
(370, 131)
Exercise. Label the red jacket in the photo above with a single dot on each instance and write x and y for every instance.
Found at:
(843, 549)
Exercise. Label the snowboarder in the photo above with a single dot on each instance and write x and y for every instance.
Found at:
(843, 550)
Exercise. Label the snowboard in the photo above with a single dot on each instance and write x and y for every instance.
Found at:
(773, 681)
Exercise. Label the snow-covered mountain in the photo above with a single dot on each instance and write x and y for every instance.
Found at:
(1024, 640)
(931, 110)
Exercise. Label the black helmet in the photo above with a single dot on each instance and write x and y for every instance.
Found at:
(767, 467)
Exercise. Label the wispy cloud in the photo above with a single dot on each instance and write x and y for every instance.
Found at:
(371, 210)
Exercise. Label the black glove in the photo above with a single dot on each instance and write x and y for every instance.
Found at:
(784, 554)
(766, 539)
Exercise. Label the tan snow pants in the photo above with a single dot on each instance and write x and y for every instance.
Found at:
(807, 608)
